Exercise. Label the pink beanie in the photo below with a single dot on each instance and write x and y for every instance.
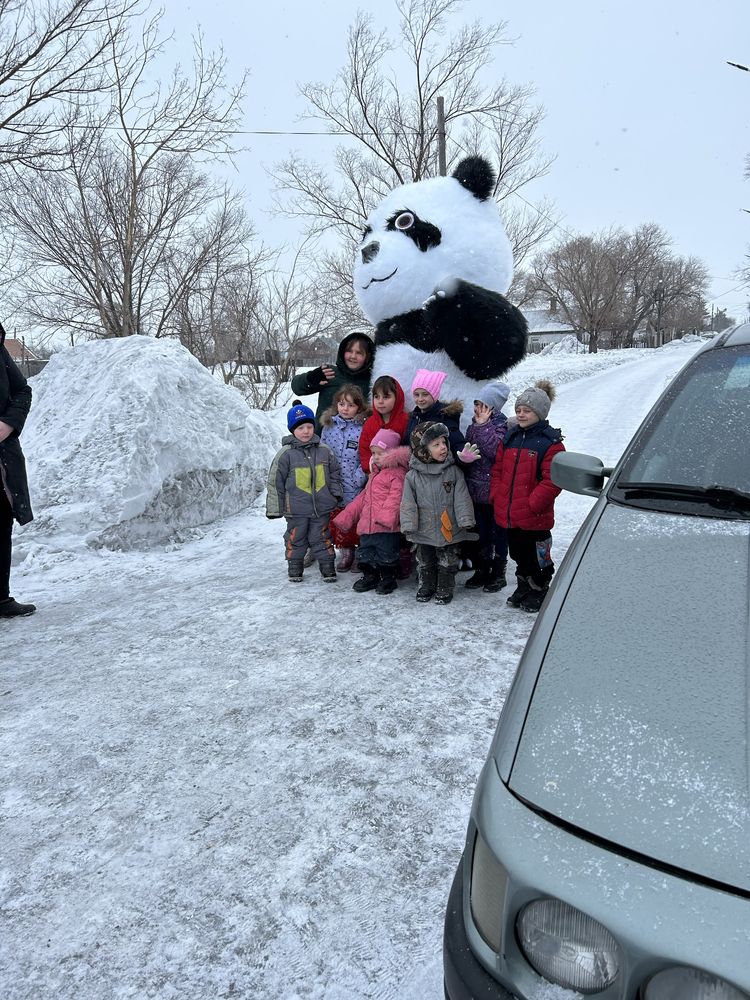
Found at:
(431, 381)
(386, 440)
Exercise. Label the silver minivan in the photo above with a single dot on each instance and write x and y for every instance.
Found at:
(608, 849)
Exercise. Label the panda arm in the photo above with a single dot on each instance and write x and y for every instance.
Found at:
(482, 333)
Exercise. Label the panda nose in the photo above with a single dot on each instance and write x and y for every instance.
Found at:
(370, 251)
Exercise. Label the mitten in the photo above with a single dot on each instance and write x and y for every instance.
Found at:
(469, 453)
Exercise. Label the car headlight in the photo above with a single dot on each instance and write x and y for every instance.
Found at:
(568, 947)
(690, 984)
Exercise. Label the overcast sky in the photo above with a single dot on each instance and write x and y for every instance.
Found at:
(646, 119)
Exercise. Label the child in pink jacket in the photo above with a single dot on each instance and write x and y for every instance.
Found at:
(375, 512)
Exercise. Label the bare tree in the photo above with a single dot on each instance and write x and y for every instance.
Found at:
(53, 60)
(128, 224)
(616, 281)
(392, 127)
(288, 314)
(584, 276)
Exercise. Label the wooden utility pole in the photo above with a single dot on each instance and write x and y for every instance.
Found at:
(441, 135)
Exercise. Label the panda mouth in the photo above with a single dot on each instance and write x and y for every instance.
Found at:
(373, 280)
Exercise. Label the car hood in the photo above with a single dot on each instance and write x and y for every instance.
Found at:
(637, 730)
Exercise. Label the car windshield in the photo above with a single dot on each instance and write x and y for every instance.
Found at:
(695, 449)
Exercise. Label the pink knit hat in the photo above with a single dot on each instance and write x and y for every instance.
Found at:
(386, 440)
(431, 381)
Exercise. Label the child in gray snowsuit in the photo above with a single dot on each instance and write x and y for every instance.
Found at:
(304, 486)
(436, 511)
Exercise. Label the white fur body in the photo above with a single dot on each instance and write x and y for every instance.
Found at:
(401, 361)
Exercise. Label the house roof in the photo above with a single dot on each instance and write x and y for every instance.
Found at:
(543, 321)
(18, 350)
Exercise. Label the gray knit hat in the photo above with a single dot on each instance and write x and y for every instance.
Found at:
(538, 398)
(495, 395)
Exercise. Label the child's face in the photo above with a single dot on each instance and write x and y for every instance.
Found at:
(304, 432)
(526, 417)
(481, 410)
(422, 399)
(355, 355)
(383, 402)
(347, 408)
(438, 450)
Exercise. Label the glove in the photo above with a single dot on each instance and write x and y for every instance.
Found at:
(316, 379)
(469, 454)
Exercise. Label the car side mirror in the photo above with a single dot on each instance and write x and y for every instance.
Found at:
(579, 473)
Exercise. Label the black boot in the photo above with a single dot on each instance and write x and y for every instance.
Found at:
(427, 584)
(295, 570)
(446, 581)
(10, 608)
(496, 576)
(368, 580)
(328, 571)
(387, 582)
(480, 576)
(533, 600)
(520, 592)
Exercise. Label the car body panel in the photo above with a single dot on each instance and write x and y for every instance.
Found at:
(659, 919)
(630, 734)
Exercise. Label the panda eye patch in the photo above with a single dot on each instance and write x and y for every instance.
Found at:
(423, 234)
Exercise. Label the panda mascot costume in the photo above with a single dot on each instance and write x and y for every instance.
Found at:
(430, 276)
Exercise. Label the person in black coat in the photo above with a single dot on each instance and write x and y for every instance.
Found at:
(15, 401)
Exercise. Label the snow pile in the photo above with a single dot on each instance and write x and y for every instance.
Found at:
(132, 442)
(568, 345)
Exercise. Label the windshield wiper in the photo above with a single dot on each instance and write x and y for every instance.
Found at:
(717, 496)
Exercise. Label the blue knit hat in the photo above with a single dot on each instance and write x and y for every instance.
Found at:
(299, 414)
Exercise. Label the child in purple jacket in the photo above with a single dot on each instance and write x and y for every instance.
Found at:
(486, 431)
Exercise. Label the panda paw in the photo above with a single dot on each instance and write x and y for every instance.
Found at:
(443, 290)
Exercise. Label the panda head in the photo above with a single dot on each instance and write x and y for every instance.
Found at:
(425, 234)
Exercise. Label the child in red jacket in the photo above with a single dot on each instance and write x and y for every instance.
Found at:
(388, 413)
(523, 494)
(375, 512)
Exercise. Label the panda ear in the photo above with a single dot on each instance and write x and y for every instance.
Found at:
(476, 175)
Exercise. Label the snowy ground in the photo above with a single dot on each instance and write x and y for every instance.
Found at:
(219, 784)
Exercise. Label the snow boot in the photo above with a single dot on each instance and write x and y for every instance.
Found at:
(309, 559)
(481, 575)
(532, 602)
(446, 581)
(295, 570)
(387, 582)
(10, 608)
(346, 558)
(427, 584)
(368, 580)
(328, 571)
(496, 576)
(520, 592)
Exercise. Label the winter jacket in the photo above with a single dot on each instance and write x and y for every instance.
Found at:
(440, 413)
(436, 508)
(342, 437)
(398, 422)
(15, 401)
(304, 479)
(307, 382)
(377, 508)
(521, 490)
(486, 437)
